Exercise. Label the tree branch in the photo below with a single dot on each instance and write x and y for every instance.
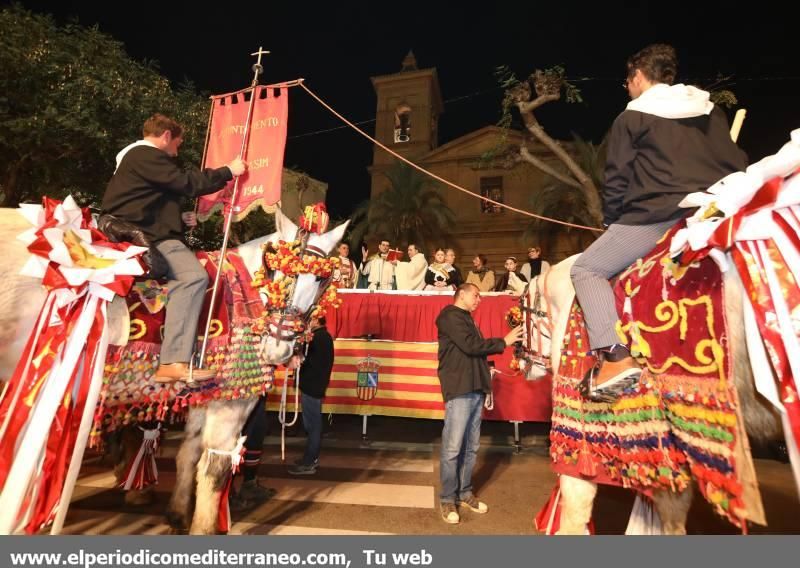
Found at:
(583, 179)
(530, 106)
(543, 166)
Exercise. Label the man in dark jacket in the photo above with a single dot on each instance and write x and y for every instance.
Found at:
(465, 381)
(315, 374)
(146, 192)
(669, 142)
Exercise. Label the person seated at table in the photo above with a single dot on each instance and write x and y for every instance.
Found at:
(535, 265)
(504, 282)
(480, 275)
(439, 276)
(411, 275)
(450, 260)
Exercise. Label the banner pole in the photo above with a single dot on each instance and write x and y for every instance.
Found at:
(205, 148)
(208, 134)
(257, 70)
(205, 153)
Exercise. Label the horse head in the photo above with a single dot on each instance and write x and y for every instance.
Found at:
(302, 291)
(545, 305)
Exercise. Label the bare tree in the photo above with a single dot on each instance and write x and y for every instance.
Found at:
(527, 96)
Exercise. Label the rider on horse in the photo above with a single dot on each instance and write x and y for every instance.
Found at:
(142, 204)
(669, 142)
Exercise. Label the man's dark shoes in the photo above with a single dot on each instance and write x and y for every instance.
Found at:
(255, 493)
(303, 469)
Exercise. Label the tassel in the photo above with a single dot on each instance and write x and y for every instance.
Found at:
(142, 471)
(586, 465)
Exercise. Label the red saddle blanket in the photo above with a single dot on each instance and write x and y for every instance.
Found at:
(681, 421)
(130, 395)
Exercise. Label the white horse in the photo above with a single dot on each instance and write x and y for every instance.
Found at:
(213, 431)
(218, 425)
(761, 420)
(550, 299)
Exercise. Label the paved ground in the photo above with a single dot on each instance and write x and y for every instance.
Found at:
(388, 485)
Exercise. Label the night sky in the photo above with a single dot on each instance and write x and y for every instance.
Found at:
(338, 48)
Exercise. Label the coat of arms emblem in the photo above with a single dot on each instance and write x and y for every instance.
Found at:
(367, 378)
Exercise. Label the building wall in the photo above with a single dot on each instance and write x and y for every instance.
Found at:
(497, 235)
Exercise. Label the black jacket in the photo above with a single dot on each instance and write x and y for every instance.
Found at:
(502, 282)
(654, 162)
(147, 189)
(462, 353)
(315, 372)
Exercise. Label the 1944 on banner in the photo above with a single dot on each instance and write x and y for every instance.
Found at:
(261, 184)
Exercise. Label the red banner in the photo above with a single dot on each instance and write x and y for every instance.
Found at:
(261, 184)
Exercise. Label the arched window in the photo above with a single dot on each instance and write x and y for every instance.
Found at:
(402, 123)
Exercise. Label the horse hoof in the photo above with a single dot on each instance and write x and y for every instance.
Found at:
(177, 522)
(174, 531)
(139, 498)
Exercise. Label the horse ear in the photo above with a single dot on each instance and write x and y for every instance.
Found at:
(286, 228)
(327, 241)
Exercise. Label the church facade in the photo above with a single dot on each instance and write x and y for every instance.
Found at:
(409, 104)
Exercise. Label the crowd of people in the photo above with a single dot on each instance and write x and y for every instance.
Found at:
(385, 270)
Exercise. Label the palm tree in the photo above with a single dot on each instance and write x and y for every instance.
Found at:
(410, 210)
(567, 203)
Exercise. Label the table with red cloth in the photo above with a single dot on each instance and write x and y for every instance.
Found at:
(402, 339)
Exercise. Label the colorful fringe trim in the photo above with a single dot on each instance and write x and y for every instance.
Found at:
(130, 396)
(674, 426)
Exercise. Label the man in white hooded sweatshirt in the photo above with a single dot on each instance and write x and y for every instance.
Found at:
(145, 193)
(670, 141)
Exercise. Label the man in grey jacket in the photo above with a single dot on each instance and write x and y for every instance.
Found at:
(669, 142)
(465, 380)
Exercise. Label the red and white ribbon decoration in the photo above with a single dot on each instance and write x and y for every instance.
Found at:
(142, 471)
(236, 457)
(759, 234)
(47, 410)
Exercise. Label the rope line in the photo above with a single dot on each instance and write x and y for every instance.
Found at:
(434, 176)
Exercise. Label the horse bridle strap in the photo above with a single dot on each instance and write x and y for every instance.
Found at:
(285, 325)
(536, 316)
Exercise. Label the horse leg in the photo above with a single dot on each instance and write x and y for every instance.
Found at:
(577, 498)
(224, 422)
(673, 508)
(180, 506)
(127, 444)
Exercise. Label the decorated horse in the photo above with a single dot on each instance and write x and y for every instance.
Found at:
(272, 286)
(712, 315)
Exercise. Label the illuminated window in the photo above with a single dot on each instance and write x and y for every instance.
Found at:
(491, 188)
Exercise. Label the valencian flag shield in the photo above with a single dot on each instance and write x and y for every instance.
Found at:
(261, 184)
(367, 378)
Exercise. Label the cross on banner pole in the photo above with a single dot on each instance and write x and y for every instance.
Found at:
(257, 70)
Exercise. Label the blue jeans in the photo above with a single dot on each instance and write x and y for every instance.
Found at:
(461, 438)
(312, 423)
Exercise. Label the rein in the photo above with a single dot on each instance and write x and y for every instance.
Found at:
(535, 316)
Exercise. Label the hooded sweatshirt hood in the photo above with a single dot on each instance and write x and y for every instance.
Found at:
(129, 147)
(673, 101)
